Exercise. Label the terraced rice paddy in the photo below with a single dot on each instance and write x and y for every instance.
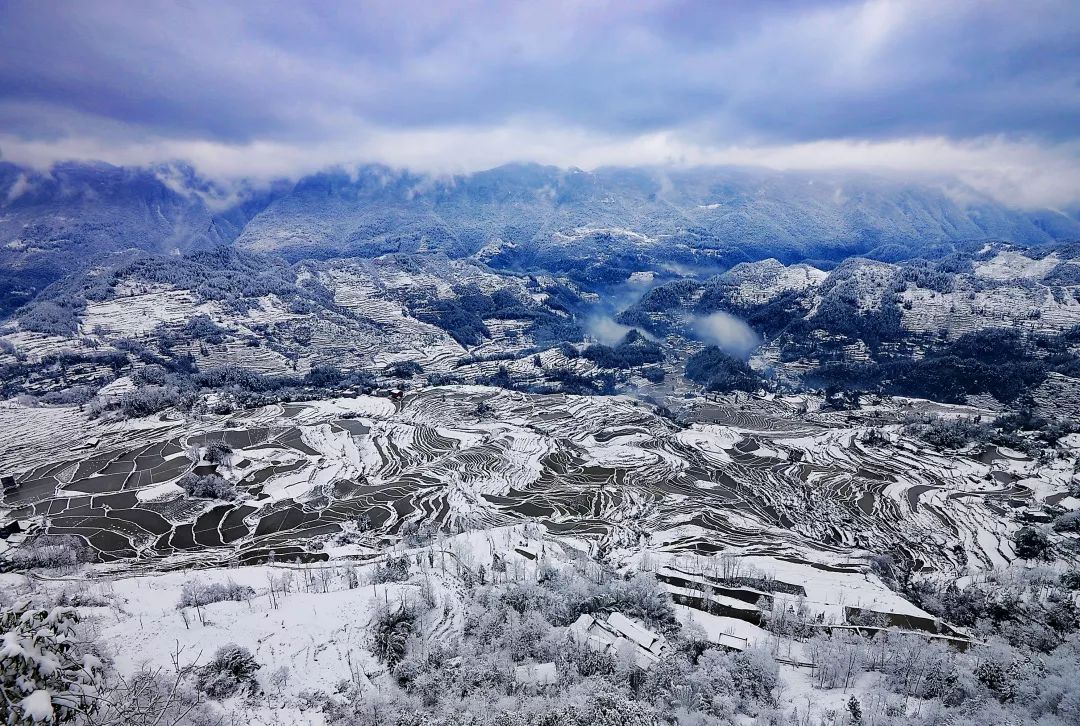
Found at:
(607, 471)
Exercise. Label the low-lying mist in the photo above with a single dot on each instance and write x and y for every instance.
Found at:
(601, 323)
(606, 330)
(727, 332)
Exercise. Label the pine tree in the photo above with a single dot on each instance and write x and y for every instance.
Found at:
(855, 709)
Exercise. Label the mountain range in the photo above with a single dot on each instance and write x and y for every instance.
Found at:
(597, 227)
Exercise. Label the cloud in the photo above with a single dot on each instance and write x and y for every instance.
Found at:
(987, 89)
(18, 188)
(606, 330)
(1019, 173)
(728, 333)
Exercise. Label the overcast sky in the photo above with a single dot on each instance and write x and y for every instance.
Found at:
(989, 91)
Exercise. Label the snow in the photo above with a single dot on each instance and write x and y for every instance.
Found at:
(38, 706)
(766, 280)
(729, 632)
(121, 385)
(139, 314)
(580, 233)
(315, 634)
(1010, 264)
(536, 674)
(312, 633)
(803, 697)
(829, 592)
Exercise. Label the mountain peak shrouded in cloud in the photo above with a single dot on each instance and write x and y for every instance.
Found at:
(985, 91)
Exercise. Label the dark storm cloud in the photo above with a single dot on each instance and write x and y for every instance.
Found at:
(761, 71)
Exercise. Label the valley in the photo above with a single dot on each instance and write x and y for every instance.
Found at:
(667, 363)
(537, 439)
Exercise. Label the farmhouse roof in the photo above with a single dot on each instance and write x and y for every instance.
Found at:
(619, 634)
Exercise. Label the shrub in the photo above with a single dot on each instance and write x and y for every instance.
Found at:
(154, 697)
(74, 396)
(836, 657)
(76, 597)
(1031, 543)
(149, 400)
(571, 382)
(210, 486)
(569, 350)
(232, 670)
(324, 376)
(501, 378)
(403, 369)
(218, 452)
(756, 676)
(563, 596)
(1068, 522)
(395, 569)
(197, 593)
(52, 317)
(454, 316)
(611, 706)
(642, 597)
(654, 374)
(950, 433)
(391, 629)
(632, 351)
(49, 551)
(201, 327)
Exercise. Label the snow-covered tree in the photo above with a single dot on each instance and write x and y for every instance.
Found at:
(232, 669)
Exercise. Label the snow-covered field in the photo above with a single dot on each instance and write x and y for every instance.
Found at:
(757, 480)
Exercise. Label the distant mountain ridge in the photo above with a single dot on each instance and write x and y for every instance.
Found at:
(54, 223)
(611, 222)
(597, 226)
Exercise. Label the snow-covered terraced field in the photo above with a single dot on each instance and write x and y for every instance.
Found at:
(763, 281)
(261, 359)
(965, 311)
(606, 470)
(139, 313)
(1009, 264)
(36, 346)
(1058, 397)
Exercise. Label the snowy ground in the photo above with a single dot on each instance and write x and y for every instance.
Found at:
(318, 630)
